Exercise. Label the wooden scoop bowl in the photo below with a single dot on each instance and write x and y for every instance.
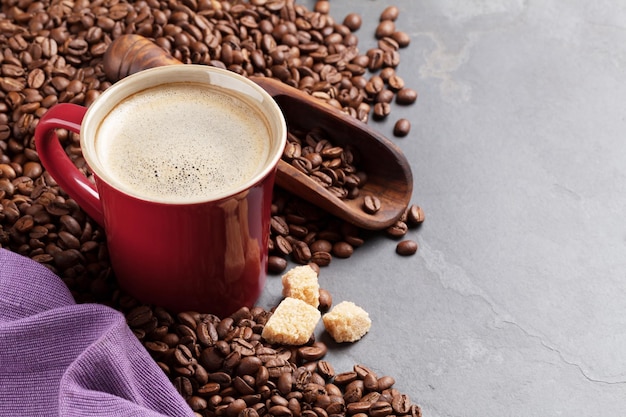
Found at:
(388, 172)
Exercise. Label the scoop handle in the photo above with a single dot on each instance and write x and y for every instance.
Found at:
(129, 54)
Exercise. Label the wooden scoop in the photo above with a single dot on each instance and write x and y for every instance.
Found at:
(388, 172)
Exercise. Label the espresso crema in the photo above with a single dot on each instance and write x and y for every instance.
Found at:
(182, 142)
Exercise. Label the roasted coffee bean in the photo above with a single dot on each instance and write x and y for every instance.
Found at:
(235, 407)
(353, 393)
(402, 127)
(358, 408)
(221, 377)
(249, 365)
(199, 373)
(282, 244)
(211, 359)
(385, 382)
(401, 404)
(245, 386)
(313, 353)
(197, 403)
(390, 13)
(381, 110)
(406, 96)
(385, 28)
(342, 249)
(241, 345)
(36, 78)
(9, 84)
(32, 169)
(249, 412)
(370, 382)
(280, 411)
(321, 258)
(277, 366)
(292, 150)
(327, 371)
(321, 245)
(284, 385)
(353, 21)
(325, 300)
(68, 239)
(322, 6)
(301, 252)
(183, 386)
(398, 229)
(380, 409)
(276, 264)
(156, 348)
(375, 56)
(7, 171)
(415, 215)
(375, 85)
(385, 96)
(206, 334)
(372, 396)
(371, 204)
(355, 241)
(5, 132)
(402, 38)
(209, 389)
(279, 226)
(406, 247)
(389, 45)
(391, 57)
(24, 224)
(296, 219)
(302, 164)
(396, 83)
(139, 316)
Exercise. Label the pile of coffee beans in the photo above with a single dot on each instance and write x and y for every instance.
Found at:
(306, 234)
(51, 52)
(222, 367)
(331, 166)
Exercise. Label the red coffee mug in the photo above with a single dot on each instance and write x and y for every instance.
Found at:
(207, 256)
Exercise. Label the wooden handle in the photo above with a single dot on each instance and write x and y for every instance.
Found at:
(129, 54)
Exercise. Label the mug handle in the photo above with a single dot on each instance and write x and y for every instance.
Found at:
(56, 161)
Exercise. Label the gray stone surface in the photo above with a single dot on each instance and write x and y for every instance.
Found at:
(515, 304)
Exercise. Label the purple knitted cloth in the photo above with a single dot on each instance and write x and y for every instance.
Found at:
(59, 358)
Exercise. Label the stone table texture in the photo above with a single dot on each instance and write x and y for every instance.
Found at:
(515, 303)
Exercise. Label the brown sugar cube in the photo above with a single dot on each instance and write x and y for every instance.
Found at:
(292, 323)
(347, 322)
(301, 283)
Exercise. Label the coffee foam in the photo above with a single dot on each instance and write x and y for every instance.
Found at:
(182, 142)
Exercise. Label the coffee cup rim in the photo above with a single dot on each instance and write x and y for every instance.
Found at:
(171, 74)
